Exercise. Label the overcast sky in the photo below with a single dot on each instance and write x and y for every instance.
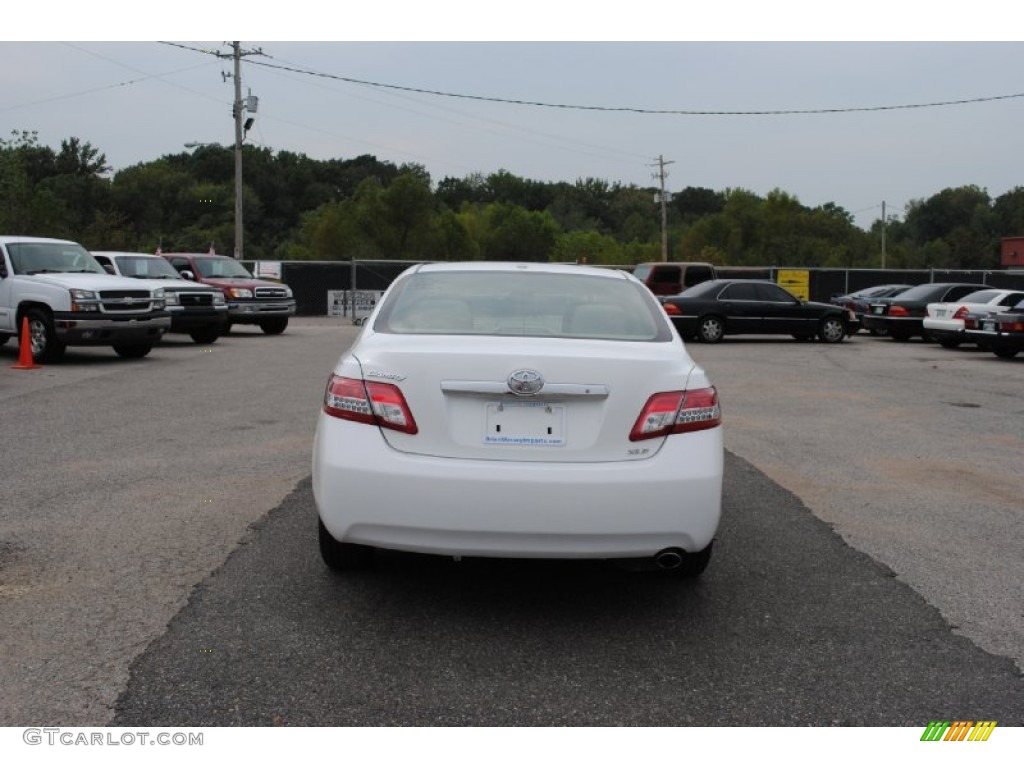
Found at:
(137, 101)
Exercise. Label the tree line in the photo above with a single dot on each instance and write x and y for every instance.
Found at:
(297, 208)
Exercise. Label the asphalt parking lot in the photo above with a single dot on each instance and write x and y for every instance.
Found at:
(158, 559)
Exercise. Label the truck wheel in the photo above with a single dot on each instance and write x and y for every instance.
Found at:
(205, 336)
(132, 351)
(4, 337)
(274, 326)
(45, 346)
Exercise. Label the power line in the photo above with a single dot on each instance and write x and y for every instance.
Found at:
(634, 110)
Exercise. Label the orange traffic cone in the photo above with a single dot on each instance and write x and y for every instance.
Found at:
(25, 360)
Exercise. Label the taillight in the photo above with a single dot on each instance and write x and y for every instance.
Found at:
(1013, 326)
(960, 314)
(895, 310)
(671, 309)
(369, 402)
(669, 413)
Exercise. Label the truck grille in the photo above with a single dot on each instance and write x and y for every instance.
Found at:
(196, 299)
(125, 301)
(271, 293)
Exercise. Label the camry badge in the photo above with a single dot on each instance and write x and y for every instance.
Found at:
(525, 382)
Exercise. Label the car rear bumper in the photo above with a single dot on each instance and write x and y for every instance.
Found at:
(368, 493)
(896, 326)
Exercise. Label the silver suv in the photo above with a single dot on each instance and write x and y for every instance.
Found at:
(198, 310)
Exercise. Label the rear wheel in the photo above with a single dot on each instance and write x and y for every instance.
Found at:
(949, 343)
(340, 556)
(45, 346)
(900, 335)
(832, 330)
(4, 337)
(274, 326)
(1005, 352)
(133, 351)
(710, 329)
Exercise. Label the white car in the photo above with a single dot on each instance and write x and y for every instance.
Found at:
(521, 411)
(944, 321)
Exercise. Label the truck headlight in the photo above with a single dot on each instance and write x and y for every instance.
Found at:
(171, 297)
(240, 293)
(218, 298)
(84, 301)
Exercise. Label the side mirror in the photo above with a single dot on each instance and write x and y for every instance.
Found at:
(187, 274)
(109, 269)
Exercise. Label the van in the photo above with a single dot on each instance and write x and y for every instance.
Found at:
(673, 277)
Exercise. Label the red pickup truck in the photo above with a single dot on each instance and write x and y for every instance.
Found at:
(251, 301)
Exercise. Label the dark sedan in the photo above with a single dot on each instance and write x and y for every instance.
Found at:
(1001, 332)
(858, 301)
(711, 310)
(902, 316)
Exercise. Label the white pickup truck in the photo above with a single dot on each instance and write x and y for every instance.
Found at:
(70, 300)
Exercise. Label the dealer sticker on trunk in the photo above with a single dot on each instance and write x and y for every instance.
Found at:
(525, 423)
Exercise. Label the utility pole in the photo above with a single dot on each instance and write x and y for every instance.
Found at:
(236, 110)
(663, 198)
(883, 234)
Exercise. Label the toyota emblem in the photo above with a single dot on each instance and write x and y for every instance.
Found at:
(525, 382)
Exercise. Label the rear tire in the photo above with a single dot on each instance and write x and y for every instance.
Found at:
(339, 556)
(1004, 352)
(274, 326)
(949, 343)
(45, 346)
(710, 329)
(133, 351)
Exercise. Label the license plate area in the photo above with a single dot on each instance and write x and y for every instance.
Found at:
(524, 423)
(988, 325)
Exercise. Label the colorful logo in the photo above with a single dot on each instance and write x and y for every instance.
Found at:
(958, 730)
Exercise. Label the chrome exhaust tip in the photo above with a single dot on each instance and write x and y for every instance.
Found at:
(669, 559)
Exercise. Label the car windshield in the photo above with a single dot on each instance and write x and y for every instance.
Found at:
(981, 297)
(152, 267)
(498, 303)
(926, 291)
(220, 266)
(41, 258)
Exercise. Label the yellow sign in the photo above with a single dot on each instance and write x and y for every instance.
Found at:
(797, 282)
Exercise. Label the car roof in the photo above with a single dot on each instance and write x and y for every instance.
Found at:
(438, 267)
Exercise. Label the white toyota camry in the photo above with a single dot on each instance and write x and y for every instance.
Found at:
(519, 410)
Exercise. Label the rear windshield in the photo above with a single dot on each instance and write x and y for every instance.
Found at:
(523, 304)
